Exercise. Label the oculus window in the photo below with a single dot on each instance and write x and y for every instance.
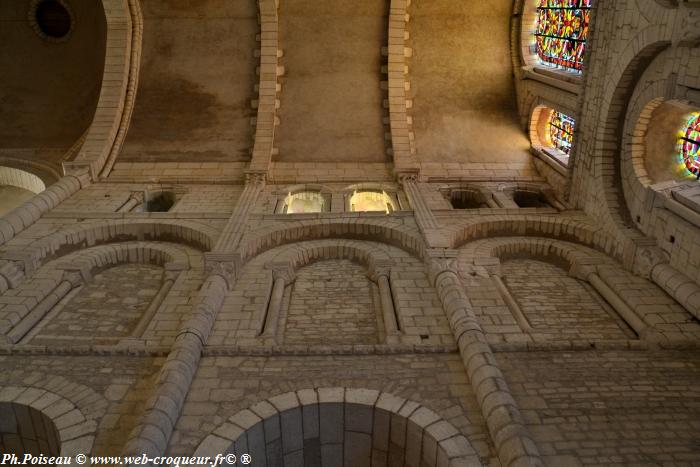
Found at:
(689, 145)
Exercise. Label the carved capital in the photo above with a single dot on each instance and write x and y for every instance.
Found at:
(408, 175)
(378, 269)
(83, 171)
(74, 276)
(137, 196)
(646, 259)
(224, 265)
(256, 177)
(582, 268)
(439, 261)
(283, 271)
(12, 271)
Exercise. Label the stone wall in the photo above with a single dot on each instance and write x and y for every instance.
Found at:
(564, 335)
(332, 302)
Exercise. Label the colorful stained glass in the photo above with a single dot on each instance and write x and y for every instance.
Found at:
(561, 132)
(562, 31)
(690, 145)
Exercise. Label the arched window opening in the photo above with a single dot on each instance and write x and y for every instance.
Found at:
(347, 434)
(467, 199)
(560, 132)
(371, 201)
(304, 202)
(561, 32)
(530, 199)
(552, 134)
(689, 145)
(25, 430)
(160, 201)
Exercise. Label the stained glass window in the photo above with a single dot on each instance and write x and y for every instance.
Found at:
(690, 145)
(561, 132)
(562, 31)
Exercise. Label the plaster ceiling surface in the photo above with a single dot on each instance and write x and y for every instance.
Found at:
(464, 106)
(331, 102)
(48, 90)
(196, 82)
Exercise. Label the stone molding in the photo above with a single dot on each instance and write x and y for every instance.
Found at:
(402, 146)
(122, 58)
(268, 86)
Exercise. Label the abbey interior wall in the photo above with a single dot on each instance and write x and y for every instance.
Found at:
(598, 355)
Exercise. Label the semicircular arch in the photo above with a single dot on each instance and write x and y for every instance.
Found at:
(441, 440)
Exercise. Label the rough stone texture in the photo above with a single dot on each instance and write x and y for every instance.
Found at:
(224, 386)
(610, 408)
(480, 373)
(101, 313)
(332, 302)
(558, 306)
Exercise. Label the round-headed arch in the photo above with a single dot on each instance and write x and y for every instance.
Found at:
(559, 252)
(73, 431)
(298, 255)
(554, 227)
(80, 236)
(623, 79)
(381, 231)
(329, 424)
(105, 256)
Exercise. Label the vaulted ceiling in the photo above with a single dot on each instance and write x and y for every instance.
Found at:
(198, 77)
(49, 90)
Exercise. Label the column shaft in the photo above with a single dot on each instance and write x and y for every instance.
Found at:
(31, 210)
(153, 307)
(512, 305)
(625, 312)
(162, 411)
(388, 311)
(152, 434)
(514, 444)
(271, 321)
(39, 311)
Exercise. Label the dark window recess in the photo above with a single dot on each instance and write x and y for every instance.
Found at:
(160, 202)
(53, 18)
(530, 199)
(467, 199)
